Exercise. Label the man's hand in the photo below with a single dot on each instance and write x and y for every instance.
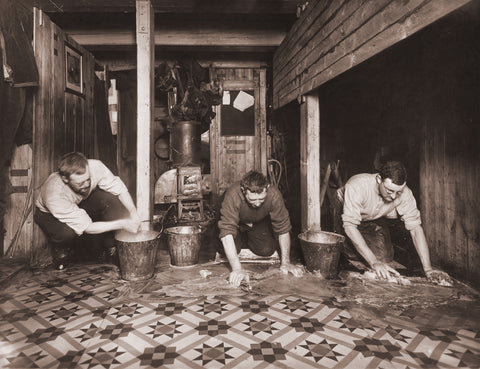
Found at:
(237, 276)
(383, 270)
(439, 277)
(131, 225)
(290, 268)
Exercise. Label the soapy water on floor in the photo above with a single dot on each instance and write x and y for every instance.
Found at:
(365, 298)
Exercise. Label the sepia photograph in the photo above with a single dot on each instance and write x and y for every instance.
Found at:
(223, 184)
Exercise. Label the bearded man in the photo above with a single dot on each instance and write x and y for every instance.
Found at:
(82, 197)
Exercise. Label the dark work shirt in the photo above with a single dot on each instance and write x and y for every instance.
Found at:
(235, 211)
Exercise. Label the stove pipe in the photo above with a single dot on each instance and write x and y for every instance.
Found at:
(185, 143)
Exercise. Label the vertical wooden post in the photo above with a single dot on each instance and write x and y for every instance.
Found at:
(145, 109)
(263, 121)
(310, 161)
(43, 127)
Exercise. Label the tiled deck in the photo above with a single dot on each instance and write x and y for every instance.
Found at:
(87, 317)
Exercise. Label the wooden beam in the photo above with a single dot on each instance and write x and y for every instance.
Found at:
(325, 32)
(263, 120)
(310, 162)
(145, 110)
(183, 36)
(347, 38)
(115, 65)
(175, 6)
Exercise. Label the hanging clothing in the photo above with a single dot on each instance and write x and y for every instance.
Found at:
(19, 67)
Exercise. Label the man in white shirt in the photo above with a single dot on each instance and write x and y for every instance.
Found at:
(364, 203)
(82, 197)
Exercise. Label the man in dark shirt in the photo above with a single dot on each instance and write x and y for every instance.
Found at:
(253, 213)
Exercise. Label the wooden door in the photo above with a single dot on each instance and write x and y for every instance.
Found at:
(238, 138)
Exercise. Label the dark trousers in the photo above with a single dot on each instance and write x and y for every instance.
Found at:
(100, 206)
(259, 238)
(375, 232)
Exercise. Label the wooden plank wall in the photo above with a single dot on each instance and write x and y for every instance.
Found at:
(449, 177)
(63, 121)
(18, 220)
(331, 37)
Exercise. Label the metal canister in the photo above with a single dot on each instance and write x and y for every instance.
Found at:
(185, 143)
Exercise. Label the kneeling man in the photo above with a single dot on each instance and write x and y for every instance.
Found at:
(253, 214)
(362, 206)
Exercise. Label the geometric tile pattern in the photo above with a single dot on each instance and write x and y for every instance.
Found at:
(217, 353)
(86, 319)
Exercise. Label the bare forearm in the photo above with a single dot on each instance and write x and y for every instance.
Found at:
(127, 201)
(360, 245)
(284, 241)
(420, 242)
(231, 252)
(102, 227)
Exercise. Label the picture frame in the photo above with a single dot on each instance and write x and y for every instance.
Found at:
(73, 70)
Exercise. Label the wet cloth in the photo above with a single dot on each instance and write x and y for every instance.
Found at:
(58, 199)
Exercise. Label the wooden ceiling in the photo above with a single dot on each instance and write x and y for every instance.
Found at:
(266, 7)
(225, 29)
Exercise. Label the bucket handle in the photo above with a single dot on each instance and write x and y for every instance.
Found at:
(160, 232)
(162, 223)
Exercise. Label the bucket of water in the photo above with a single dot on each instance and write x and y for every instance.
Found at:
(321, 251)
(137, 254)
(184, 244)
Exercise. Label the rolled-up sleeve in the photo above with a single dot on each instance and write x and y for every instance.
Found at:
(352, 207)
(229, 215)
(408, 210)
(106, 180)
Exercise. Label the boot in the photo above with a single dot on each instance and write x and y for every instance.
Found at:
(60, 252)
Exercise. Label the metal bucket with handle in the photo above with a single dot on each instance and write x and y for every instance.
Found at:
(137, 254)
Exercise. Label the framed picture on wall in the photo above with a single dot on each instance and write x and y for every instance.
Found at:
(73, 70)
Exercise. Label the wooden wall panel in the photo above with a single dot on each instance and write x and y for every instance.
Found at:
(332, 37)
(449, 188)
(262, 126)
(43, 162)
(18, 220)
(90, 130)
(63, 121)
(59, 123)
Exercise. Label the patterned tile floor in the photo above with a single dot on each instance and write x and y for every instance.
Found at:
(87, 317)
